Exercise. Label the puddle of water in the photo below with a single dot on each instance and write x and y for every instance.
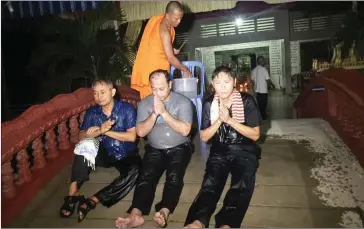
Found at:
(337, 171)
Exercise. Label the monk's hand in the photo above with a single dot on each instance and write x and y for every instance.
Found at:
(187, 73)
(176, 51)
(224, 114)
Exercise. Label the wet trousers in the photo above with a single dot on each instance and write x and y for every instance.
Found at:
(155, 161)
(242, 165)
(128, 167)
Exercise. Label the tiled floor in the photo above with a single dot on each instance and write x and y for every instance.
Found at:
(280, 105)
(285, 194)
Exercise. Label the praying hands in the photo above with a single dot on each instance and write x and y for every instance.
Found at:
(224, 115)
(158, 107)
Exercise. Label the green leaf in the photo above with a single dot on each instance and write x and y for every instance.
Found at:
(77, 48)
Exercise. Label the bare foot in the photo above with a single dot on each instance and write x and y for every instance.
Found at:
(195, 224)
(132, 221)
(65, 212)
(161, 218)
(225, 226)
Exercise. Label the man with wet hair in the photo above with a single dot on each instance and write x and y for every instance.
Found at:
(230, 120)
(155, 49)
(112, 122)
(165, 117)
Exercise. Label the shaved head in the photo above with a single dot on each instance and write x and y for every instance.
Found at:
(174, 5)
(174, 13)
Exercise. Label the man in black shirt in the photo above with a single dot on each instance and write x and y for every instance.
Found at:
(231, 121)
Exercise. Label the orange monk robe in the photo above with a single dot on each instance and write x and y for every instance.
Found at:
(150, 56)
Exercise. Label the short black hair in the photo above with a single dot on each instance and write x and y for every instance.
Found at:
(174, 5)
(102, 82)
(224, 69)
(162, 71)
(259, 59)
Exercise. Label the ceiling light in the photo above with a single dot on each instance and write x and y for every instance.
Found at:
(239, 21)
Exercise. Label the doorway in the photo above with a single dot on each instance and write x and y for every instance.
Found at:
(272, 50)
(242, 61)
(314, 50)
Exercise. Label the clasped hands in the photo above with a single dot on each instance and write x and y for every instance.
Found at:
(106, 126)
(224, 115)
(158, 107)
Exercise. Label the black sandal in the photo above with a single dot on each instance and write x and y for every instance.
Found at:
(69, 205)
(90, 205)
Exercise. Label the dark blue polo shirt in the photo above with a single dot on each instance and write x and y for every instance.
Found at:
(124, 115)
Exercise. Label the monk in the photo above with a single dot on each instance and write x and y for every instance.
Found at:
(155, 50)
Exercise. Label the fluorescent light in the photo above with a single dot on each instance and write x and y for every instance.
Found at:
(239, 21)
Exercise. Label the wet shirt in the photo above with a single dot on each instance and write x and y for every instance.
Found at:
(227, 135)
(124, 115)
(162, 136)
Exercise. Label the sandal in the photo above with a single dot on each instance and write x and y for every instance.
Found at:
(69, 205)
(90, 205)
(165, 217)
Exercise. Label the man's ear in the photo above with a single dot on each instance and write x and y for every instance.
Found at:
(212, 87)
(170, 84)
(113, 91)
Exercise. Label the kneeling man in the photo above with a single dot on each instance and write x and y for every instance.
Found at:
(165, 118)
(113, 123)
(231, 120)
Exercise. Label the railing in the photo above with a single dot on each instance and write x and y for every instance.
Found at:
(300, 80)
(39, 143)
(345, 64)
(337, 95)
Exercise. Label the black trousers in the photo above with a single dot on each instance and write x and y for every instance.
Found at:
(128, 167)
(242, 166)
(262, 100)
(155, 161)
